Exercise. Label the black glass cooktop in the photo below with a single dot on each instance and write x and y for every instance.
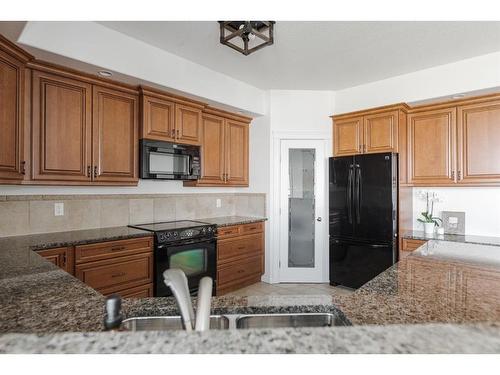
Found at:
(169, 225)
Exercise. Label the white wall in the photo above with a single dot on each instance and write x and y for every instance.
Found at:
(481, 206)
(293, 110)
(473, 74)
(90, 42)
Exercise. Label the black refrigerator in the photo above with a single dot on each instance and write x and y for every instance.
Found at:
(363, 217)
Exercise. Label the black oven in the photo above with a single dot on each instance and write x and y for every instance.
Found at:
(195, 257)
(187, 245)
(169, 161)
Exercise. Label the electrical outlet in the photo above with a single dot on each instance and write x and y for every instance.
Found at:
(59, 209)
(218, 203)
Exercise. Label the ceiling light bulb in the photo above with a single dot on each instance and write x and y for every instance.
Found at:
(104, 73)
(251, 36)
(458, 96)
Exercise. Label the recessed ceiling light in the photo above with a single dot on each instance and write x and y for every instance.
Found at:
(104, 73)
(458, 96)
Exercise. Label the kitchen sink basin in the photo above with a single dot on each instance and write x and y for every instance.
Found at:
(237, 321)
(288, 320)
(168, 323)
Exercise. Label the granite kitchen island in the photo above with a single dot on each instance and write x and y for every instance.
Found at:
(443, 298)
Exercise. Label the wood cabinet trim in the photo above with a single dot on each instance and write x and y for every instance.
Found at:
(372, 111)
(229, 115)
(13, 50)
(168, 96)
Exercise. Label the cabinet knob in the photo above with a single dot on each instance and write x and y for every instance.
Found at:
(459, 176)
(453, 175)
(89, 171)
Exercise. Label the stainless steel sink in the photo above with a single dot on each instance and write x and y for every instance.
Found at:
(168, 323)
(237, 321)
(288, 320)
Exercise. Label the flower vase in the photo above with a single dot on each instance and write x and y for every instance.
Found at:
(429, 228)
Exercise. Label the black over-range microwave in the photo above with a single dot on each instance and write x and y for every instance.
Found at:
(169, 161)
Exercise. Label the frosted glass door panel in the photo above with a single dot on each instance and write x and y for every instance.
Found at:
(301, 211)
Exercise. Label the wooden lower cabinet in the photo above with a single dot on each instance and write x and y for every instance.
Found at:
(240, 256)
(409, 245)
(62, 257)
(124, 267)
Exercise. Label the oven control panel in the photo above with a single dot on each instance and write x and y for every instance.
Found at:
(182, 234)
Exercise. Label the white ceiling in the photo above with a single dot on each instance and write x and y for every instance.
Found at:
(323, 55)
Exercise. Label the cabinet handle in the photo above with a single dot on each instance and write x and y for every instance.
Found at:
(360, 148)
(23, 167)
(364, 148)
(95, 171)
(118, 274)
(241, 248)
(177, 133)
(241, 271)
(452, 175)
(172, 133)
(89, 171)
(117, 248)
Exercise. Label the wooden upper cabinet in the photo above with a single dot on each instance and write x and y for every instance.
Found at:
(12, 161)
(381, 132)
(479, 143)
(224, 150)
(187, 124)
(115, 135)
(236, 153)
(158, 119)
(61, 128)
(432, 146)
(212, 150)
(348, 136)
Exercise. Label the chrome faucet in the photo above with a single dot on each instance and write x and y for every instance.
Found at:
(176, 280)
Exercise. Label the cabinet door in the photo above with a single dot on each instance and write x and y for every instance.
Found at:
(347, 136)
(158, 119)
(432, 147)
(61, 128)
(381, 132)
(479, 143)
(188, 124)
(62, 257)
(115, 136)
(212, 150)
(11, 129)
(236, 153)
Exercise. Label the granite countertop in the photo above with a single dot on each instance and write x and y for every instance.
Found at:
(420, 235)
(44, 309)
(224, 221)
(441, 281)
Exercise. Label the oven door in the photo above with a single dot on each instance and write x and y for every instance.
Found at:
(196, 258)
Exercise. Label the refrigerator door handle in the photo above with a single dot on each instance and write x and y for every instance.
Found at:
(358, 193)
(349, 194)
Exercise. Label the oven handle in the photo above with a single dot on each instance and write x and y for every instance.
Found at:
(183, 242)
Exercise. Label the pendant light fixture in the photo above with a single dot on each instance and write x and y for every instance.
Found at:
(246, 36)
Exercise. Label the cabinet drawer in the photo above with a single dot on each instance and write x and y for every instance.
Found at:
(410, 245)
(235, 271)
(239, 247)
(112, 249)
(142, 291)
(231, 231)
(252, 228)
(134, 270)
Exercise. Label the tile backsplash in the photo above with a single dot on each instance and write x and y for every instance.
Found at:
(35, 213)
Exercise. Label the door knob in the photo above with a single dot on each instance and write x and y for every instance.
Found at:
(319, 218)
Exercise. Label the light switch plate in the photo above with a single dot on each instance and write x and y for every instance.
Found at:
(453, 222)
(218, 203)
(59, 209)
